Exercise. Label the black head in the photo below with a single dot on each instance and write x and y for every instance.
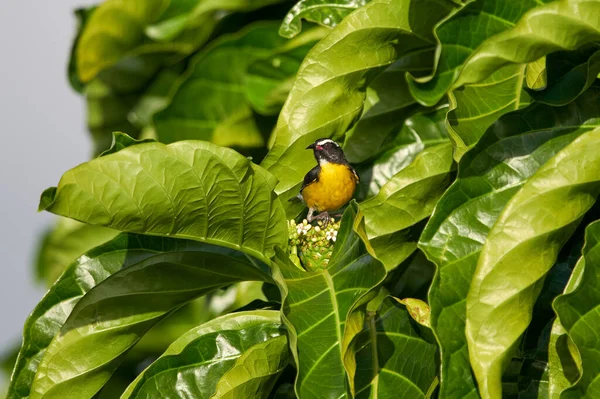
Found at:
(327, 150)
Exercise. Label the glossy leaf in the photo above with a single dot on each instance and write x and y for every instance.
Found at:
(236, 355)
(328, 94)
(124, 252)
(324, 310)
(172, 190)
(393, 360)
(68, 240)
(209, 94)
(569, 74)
(419, 131)
(328, 13)
(489, 175)
(117, 312)
(269, 79)
(530, 230)
(486, 35)
(405, 200)
(577, 311)
(475, 107)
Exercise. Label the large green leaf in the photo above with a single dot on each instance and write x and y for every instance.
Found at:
(189, 189)
(404, 201)
(67, 240)
(236, 355)
(419, 131)
(476, 106)
(324, 310)
(488, 176)
(209, 95)
(577, 310)
(393, 360)
(324, 12)
(329, 91)
(269, 79)
(117, 312)
(531, 229)
(124, 252)
(570, 73)
(486, 35)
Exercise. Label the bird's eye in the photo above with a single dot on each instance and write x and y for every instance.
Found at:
(327, 146)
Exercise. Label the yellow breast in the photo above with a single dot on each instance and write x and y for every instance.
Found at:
(333, 189)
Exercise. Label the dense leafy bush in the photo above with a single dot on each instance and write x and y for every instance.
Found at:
(467, 266)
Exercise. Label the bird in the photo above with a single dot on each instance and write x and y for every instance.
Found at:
(331, 184)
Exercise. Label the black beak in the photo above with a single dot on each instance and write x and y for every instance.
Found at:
(311, 147)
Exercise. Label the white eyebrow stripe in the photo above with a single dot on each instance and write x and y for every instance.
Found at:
(324, 141)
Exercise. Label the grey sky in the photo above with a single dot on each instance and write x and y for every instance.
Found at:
(43, 134)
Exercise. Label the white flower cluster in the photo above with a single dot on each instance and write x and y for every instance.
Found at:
(331, 234)
(304, 227)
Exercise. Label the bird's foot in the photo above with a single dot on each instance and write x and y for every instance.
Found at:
(325, 217)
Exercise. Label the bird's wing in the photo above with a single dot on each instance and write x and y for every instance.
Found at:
(354, 173)
(311, 177)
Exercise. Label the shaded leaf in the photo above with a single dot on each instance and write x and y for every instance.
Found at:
(82, 15)
(118, 311)
(388, 106)
(393, 360)
(569, 74)
(578, 313)
(328, 13)
(324, 310)
(172, 190)
(236, 355)
(68, 240)
(405, 200)
(475, 107)
(489, 175)
(328, 95)
(269, 79)
(486, 35)
(419, 131)
(531, 229)
(209, 95)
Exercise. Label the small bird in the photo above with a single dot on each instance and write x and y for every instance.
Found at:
(329, 185)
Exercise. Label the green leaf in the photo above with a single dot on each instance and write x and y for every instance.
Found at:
(236, 355)
(117, 312)
(569, 74)
(328, 95)
(324, 310)
(269, 79)
(530, 230)
(578, 313)
(488, 176)
(419, 131)
(82, 16)
(475, 107)
(209, 94)
(536, 74)
(68, 240)
(393, 360)
(388, 105)
(123, 252)
(404, 201)
(190, 189)
(486, 35)
(328, 13)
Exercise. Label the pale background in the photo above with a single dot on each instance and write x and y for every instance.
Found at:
(42, 132)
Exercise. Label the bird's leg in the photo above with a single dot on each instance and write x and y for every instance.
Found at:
(309, 217)
(324, 216)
